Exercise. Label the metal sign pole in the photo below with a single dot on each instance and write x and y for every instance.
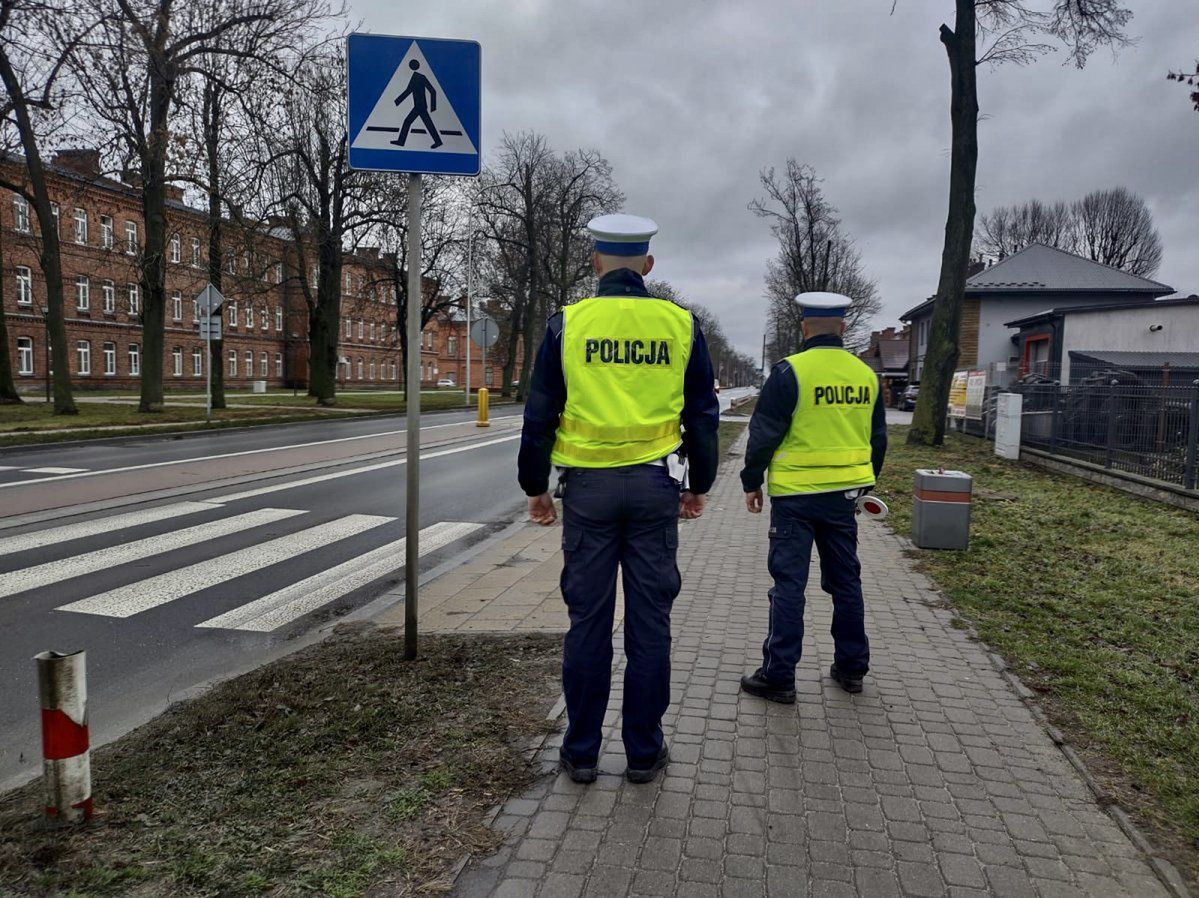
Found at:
(412, 383)
(206, 318)
(470, 283)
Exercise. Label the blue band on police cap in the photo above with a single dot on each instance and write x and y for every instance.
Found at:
(613, 248)
(812, 312)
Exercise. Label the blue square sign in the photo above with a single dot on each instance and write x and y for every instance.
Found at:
(414, 104)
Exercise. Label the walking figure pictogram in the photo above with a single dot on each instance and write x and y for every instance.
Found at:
(421, 107)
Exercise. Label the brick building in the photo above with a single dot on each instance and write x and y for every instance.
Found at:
(101, 233)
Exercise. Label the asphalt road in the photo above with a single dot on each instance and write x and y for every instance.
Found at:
(174, 561)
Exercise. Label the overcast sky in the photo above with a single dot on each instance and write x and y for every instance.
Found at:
(689, 99)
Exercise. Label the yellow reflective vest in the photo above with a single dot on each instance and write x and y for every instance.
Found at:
(623, 359)
(827, 447)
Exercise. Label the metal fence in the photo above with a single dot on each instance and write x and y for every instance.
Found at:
(1152, 431)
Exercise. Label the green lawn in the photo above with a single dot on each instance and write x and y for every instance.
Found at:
(1093, 595)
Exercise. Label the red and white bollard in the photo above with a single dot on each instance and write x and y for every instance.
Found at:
(66, 755)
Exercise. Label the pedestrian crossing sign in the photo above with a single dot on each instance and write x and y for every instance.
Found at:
(414, 104)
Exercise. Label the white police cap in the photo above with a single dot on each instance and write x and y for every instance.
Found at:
(823, 305)
(622, 235)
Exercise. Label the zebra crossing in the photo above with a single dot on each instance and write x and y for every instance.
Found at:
(216, 575)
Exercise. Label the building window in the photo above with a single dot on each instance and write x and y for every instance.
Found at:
(360, 369)
(131, 238)
(81, 226)
(249, 363)
(233, 314)
(135, 360)
(20, 213)
(24, 286)
(83, 293)
(176, 306)
(278, 272)
(135, 302)
(372, 369)
(279, 364)
(245, 261)
(372, 332)
(249, 317)
(197, 363)
(361, 328)
(54, 213)
(487, 378)
(264, 365)
(175, 247)
(233, 363)
(195, 252)
(25, 355)
(231, 263)
(266, 318)
(278, 318)
(314, 277)
(83, 350)
(349, 287)
(451, 345)
(349, 328)
(110, 359)
(108, 290)
(106, 231)
(177, 361)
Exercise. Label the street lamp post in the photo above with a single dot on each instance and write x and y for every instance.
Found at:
(46, 322)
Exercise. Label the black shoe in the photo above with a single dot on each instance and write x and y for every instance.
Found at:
(851, 683)
(642, 775)
(757, 684)
(577, 772)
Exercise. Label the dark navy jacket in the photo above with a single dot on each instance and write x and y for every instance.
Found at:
(772, 419)
(547, 399)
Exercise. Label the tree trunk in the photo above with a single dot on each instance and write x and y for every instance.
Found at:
(212, 128)
(8, 386)
(153, 260)
(941, 358)
(50, 256)
(324, 322)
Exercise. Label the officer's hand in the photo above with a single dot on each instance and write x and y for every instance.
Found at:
(753, 502)
(691, 505)
(541, 510)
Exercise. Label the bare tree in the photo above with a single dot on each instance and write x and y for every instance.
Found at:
(37, 37)
(131, 72)
(814, 254)
(1191, 79)
(1008, 229)
(994, 32)
(1115, 227)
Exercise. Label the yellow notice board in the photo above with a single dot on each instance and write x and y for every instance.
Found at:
(957, 394)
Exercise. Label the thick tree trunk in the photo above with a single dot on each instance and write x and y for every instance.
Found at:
(324, 323)
(8, 386)
(941, 357)
(50, 256)
(216, 251)
(153, 259)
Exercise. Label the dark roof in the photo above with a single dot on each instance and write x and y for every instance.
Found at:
(894, 354)
(1128, 359)
(1048, 314)
(1039, 269)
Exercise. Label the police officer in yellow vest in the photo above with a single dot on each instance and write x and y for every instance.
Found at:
(622, 381)
(820, 427)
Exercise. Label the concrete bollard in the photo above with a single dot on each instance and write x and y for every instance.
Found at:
(66, 752)
(484, 403)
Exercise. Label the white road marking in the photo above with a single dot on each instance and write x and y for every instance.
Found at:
(7, 468)
(53, 471)
(138, 550)
(35, 540)
(155, 591)
(378, 466)
(292, 602)
(185, 461)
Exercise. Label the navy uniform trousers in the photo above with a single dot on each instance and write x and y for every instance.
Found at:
(628, 517)
(796, 522)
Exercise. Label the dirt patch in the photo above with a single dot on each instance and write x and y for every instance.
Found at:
(337, 771)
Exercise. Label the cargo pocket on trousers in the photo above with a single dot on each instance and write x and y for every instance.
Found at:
(572, 538)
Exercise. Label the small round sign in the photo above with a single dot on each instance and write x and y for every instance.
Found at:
(484, 332)
(872, 507)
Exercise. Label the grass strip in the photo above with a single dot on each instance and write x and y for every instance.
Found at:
(1092, 595)
(335, 771)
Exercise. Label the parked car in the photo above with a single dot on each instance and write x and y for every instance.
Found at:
(445, 382)
(907, 402)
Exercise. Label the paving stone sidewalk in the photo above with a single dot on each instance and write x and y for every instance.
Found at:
(937, 780)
